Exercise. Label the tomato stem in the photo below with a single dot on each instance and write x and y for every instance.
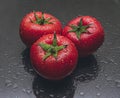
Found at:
(40, 20)
(52, 49)
(79, 29)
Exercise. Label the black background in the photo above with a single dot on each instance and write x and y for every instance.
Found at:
(97, 76)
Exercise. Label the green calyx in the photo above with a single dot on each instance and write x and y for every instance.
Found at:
(52, 49)
(79, 29)
(40, 20)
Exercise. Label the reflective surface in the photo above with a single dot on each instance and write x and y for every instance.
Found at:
(97, 76)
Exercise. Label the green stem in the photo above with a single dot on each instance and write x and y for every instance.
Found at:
(79, 29)
(40, 20)
(52, 49)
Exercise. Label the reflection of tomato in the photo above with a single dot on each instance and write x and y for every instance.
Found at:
(36, 24)
(87, 34)
(54, 56)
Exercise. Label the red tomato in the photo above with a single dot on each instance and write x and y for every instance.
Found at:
(87, 34)
(54, 56)
(36, 24)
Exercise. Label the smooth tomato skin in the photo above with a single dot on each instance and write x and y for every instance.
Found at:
(89, 41)
(51, 68)
(30, 32)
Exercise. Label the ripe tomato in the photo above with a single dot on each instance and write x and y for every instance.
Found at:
(87, 34)
(37, 24)
(54, 56)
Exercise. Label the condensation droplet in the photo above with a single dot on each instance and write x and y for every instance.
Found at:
(18, 73)
(15, 86)
(106, 75)
(8, 83)
(36, 92)
(81, 93)
(103, 61)
(41, 90)
(24, 90)
(65, 49)
(21, 66)
(14, 77)
(64, 97)
(17, 97)
(9, 71)
(28, 91)
(50, 37)
(71, 61)
(51, 95)
(118, 85)
(97, 86)
(62, 61)
(117, 82)
(108, 78)
(98, 94)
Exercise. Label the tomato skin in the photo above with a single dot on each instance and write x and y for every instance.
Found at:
(89, 41)
(30, 32)
(52, 68)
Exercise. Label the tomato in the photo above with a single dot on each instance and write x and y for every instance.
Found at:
(86, 32)
(36, 24)
(54, 56)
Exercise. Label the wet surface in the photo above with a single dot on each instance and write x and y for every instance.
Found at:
(96, 76)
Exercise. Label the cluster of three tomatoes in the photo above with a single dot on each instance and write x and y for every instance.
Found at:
(54, 51)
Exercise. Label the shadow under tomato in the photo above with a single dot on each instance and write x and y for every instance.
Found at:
(53, 89)
(86, 70)
(26, 62)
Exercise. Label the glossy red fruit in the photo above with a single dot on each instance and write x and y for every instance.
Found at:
(87, 34)
(36, 24)
(54, 56)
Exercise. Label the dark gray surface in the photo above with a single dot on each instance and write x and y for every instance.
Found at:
(97, 76)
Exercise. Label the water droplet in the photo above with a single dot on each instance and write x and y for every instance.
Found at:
(9, 71)
(37, 92)
(89, 74)
(18, 73)
(51, 95)
(81, 93)
(14, 77)
(15, 64)
(108, 78)
(98, 94)
(15, 86)
(24, 90)
(64, 97)
(97, 86)
(21, 66)
(50, 37)
(103, 61)
(31, 70)
(65, 49)
(118, 85)
(6, 54)
(41, 90)
(17, 97)
(106, 75)
(62, 61)
(117, 82)
(8, 83)
(28, 91)
(71, 61)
